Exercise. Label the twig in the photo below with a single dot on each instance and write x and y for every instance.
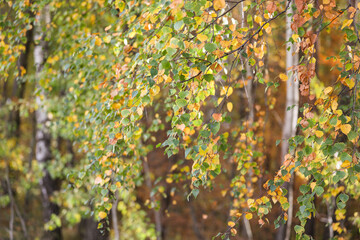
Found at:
(332, 20)
(210, 24)
(246, 42)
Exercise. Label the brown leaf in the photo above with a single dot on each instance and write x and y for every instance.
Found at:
(300, 4)
(271, 6)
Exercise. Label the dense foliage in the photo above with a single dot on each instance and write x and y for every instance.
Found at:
(172, 119)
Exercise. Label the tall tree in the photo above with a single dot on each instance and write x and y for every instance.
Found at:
(43, 154)
(291, 115)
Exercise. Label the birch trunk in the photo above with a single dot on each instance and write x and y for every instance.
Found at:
(43, 136)
(290, 118)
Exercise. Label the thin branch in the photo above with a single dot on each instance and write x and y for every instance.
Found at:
(332, 20)
(210, 24)
(254, 34)
(245, 43)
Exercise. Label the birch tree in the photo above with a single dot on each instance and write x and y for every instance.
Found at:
(291, 115)
(43, 135)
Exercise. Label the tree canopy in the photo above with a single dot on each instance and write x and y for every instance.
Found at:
(174, 119)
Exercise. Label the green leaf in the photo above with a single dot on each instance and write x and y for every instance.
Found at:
(183, 94)
(319, 190)
(195, 192)
(299, 229)
(181, 102)
(343, 197)
(345, 156)
(341, 205)
(348, 66)
(178, 25)
(210, 47)
(304, 188)
(165, 65)
(125, 113)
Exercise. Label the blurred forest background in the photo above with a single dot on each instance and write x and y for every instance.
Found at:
(98, 140)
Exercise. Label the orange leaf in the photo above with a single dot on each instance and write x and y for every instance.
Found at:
(180, 127)
(219, 4)
(217, 117)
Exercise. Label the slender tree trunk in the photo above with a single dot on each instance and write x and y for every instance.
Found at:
(88, 230)
(157, 213)
(250, 98)
(115, 218)
(19, 87)
(195, 224)
(43, 136)
(290, 119)
(310, 224)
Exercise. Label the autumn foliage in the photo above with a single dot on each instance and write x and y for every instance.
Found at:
(173, 119)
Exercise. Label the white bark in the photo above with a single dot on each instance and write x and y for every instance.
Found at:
(249, 94)
(291, 115)
(43, 136)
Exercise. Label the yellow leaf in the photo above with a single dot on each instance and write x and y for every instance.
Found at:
(116, 106)
(102, 215)
(328, 90)
(219, 4)
(220, 100)
(334, 105)
(257, 19)
(230, 91)
(154, 91)
(347, 119)
(345, 164)
(319, 134)
(283, 77)
(107, 39)
(249, 216)
(203, 152)
(313, 185)
(231, 224)
(233, 231)
(202, 37)
(295, 37)
(345, 128)
(350, 82)
(358, 5)
(347, 23)
(98, 41)
(229, 106)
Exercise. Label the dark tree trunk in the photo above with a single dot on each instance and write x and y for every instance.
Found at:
(88, 230)
(19, 86)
